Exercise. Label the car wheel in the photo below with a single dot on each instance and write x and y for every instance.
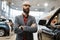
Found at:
(2, 32)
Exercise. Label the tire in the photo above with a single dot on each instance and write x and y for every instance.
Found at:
(2, 32)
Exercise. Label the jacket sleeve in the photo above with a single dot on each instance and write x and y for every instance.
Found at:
(31, 29)
(16, 26)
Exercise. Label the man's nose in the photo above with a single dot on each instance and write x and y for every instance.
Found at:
(27, 7)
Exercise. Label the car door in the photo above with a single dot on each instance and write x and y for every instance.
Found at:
(53, 24)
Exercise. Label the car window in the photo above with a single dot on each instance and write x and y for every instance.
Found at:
(55, 21)
(1, 20)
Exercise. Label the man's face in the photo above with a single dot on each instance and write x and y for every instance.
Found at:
(26, 8)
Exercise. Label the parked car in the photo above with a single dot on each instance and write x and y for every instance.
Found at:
(50, 28)
(4, 29)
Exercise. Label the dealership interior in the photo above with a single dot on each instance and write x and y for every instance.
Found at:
(46, 13)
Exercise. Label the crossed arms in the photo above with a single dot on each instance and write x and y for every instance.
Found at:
(22, 28)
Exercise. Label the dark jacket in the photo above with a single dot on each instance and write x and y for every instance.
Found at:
(27, 29)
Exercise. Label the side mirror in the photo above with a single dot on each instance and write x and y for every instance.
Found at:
(42, 22)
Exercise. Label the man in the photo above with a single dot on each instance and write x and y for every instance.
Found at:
(25, 25)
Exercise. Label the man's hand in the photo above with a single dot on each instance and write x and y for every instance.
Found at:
(33, 25)
(21, 27)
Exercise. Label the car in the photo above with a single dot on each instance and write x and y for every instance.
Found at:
(50, 29)
(4, 29)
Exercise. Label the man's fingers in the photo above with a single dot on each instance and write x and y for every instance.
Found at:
(21, 27)
(33, 25)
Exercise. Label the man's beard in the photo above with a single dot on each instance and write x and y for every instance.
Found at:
(26, 11)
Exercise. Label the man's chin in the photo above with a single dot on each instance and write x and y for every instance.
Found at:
(27, 12)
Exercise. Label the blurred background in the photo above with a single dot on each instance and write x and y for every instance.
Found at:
(11, 8)
(39, 9)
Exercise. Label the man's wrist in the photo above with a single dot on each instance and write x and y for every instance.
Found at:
(21, 27)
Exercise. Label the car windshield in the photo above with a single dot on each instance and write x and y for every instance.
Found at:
(1, 19)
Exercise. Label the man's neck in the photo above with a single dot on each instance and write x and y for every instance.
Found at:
(25, 15)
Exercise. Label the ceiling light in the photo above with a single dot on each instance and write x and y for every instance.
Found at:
(36, 9)
(45, 4)
(16, 8)
(38, 4)
(12, 3)
(4, 2)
